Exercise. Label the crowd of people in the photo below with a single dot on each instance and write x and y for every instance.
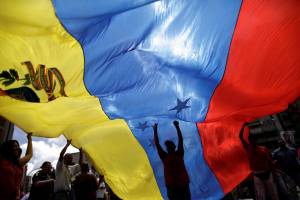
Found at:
(68, 181)
(276, 175)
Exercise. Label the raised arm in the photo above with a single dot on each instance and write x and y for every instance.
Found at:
(160, 151)
(180, 138)
(63, 151)
(28, 154)
(241, 135)
(80, 156)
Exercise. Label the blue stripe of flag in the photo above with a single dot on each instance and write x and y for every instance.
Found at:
(156, 61)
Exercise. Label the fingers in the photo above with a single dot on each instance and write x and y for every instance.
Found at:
(69, 142)
(176, 123)
(29, 135)
(155, 125)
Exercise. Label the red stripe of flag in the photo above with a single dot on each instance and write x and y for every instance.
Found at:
(262, 77)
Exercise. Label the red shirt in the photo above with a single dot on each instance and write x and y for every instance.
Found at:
(10, 180)
(174, 170)
(259, 158)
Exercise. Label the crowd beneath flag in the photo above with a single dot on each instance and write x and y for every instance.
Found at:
(275, 175)
(68, 181)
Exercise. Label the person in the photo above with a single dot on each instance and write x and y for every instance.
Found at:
(101, 191)
(262, 165)
(64, 173)
(176, 176)
(287, 159)
(11, 168)
(85, 184)
(42, 183)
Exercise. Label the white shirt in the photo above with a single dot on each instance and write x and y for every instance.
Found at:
(101, 190)
(64, 176)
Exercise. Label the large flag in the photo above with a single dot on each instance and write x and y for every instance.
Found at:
(103, 72)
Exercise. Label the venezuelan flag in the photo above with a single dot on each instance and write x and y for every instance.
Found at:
(103, 72)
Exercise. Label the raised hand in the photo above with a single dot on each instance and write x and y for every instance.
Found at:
(176, 123)
(69, 142)
(155, 126)
(29, 136)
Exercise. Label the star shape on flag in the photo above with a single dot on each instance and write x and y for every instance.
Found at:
(181, 105)
(142, 126)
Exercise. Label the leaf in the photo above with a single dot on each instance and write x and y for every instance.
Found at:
(6, 75)
(14, 73)
(27, 79)
(8, 82)
(54, 85)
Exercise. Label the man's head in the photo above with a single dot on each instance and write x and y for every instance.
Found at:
(170, 146)
(281, 143)
(84, 168)
(68, 159)
(11, 150)
(46, 167)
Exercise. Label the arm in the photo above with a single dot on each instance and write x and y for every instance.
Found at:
(28, 154)
(44, 183)
(160, 151)
(80, 156)
(180, 138)
(63, 151)
(241, 135)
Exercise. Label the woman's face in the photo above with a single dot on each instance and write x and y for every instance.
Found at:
(16, 149)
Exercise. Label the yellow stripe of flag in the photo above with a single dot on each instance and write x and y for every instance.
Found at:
(30, 31)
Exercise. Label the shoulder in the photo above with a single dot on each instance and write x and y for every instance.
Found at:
(38, 176)
(59, 164)
(75, 167)
(276, 151)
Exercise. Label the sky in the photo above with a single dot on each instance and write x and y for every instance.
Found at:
(44, 149)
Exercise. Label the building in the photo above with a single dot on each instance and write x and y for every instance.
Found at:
(6, 130)
(269, 129)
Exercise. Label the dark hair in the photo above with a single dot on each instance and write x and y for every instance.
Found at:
(6, 151)
(45, 163)
(85, 167)
(169, 142)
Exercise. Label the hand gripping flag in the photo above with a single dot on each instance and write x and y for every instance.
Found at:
(103, 72)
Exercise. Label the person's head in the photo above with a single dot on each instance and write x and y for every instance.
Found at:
(46, 167)
(288, 137)
(11, 150)
(281, 143)
(68, 159)
(84, 168)
(170, 146)
(101, 177)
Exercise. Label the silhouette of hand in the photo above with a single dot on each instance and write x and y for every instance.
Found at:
(29, 136)
(176, 123)
(69, 142)
(155, 126)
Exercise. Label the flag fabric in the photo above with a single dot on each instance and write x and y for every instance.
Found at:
(103, 72)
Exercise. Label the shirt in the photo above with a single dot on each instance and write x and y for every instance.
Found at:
(259, 158)
(10, 181)
(43, 192)
(174, 170)
(64, 176)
